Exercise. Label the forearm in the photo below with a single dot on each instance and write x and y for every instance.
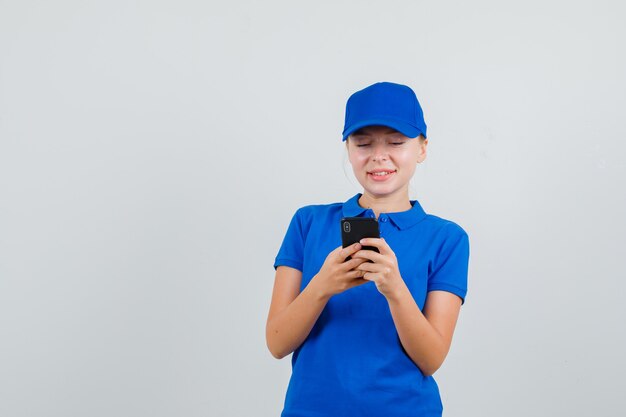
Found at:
(420, 339)
(289, 328)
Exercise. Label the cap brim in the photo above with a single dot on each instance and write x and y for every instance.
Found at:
(402, 127)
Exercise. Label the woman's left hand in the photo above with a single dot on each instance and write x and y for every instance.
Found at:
(383, 269)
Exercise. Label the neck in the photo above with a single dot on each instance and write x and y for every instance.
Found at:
(385, 204)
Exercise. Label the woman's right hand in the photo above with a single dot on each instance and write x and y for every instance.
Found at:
(338, 274)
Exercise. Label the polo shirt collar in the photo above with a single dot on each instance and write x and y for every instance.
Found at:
(402, 219)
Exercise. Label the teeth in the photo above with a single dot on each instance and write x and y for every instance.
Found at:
(380, 174)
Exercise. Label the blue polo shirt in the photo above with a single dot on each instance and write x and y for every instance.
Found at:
(352, 362)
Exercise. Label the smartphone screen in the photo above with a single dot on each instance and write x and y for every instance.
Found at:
(353, 229)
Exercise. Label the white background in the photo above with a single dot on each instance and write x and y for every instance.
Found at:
(152, 154)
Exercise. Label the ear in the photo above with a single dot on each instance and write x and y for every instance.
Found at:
(421, 153)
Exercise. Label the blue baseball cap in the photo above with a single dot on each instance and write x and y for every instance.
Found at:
(386, 104)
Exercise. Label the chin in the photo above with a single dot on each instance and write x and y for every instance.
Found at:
(379, 191)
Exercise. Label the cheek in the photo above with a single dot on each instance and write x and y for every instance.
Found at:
(358, 159)
(402, 160)
(408, 164)
(408, 156)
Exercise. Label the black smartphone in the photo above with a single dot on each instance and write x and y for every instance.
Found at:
(353, 229)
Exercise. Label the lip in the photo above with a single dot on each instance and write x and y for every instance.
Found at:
(380, 178)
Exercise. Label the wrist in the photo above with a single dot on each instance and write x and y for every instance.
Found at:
(398, 293)
(317, 292)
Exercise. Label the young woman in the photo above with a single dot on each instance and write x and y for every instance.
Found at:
(368, 333)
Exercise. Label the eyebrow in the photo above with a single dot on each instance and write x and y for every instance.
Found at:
(364, 134)
(361, 132)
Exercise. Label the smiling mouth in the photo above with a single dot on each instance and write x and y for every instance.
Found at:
(380, 175)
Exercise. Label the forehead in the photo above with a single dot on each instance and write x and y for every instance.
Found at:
(375, 131)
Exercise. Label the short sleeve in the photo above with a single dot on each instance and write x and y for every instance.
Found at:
(451, 264)
(291, 252)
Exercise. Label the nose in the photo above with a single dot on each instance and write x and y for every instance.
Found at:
(380, 153)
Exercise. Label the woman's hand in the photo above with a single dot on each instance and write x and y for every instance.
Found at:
(337, 274)
(383, 269)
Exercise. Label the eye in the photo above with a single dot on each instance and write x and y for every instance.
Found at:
(398, 143)
(365, 144)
